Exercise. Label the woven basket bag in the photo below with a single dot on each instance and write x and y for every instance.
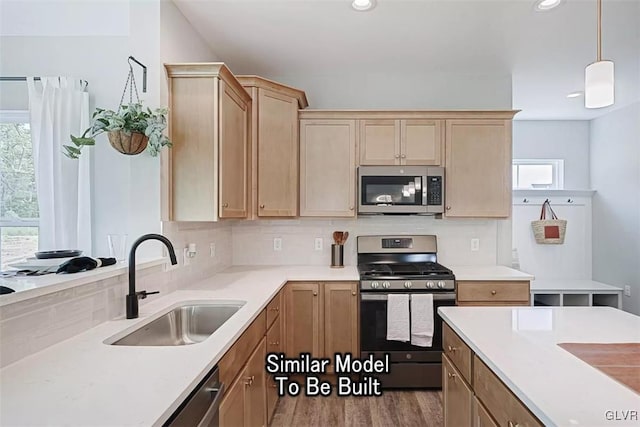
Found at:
(549, 231)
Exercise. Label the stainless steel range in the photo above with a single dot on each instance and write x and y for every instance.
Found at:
(402, 265)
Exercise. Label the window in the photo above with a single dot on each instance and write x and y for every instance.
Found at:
(538, 174)
(18, 200)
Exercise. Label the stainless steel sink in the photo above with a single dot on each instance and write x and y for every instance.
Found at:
(184, 325)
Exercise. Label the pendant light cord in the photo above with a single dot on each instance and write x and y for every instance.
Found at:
(599, 54)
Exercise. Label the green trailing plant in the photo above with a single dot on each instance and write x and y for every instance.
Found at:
(130, 118)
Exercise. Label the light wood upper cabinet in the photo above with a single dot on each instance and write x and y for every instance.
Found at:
(340, 318)
(379, 142)
(274, 147)
(303, 319)
(420, 142)
(400, 142)
(327, 168)
(205, 172)
(478, 168)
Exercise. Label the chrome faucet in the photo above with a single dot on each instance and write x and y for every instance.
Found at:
(133, 296)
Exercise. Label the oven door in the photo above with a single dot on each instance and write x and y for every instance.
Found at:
(391, 189)
(373, 329)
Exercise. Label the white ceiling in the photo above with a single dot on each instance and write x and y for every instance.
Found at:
(545, 53)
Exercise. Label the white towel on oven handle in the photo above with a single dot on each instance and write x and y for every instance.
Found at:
(398, 328)
(422, 320)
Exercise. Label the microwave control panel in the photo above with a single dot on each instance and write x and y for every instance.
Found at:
(434, 190)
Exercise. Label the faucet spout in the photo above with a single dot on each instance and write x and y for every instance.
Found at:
(133, 296)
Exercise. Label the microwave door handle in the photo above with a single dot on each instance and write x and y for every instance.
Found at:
(424, 191)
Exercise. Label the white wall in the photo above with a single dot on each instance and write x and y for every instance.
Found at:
(615, 175)
(562, 139)
(400, 90)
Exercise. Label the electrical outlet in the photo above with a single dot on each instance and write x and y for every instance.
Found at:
(212, 250)
(627, 290)
(186, 260)
(318, 244)
(475, 245)
(277, 244)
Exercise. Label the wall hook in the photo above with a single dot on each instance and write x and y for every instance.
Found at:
(144, 72)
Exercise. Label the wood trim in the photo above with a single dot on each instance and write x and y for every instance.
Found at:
(408, 114)
(207, 69)
(251, 81)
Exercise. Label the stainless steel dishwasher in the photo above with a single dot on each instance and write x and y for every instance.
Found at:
(201, 407)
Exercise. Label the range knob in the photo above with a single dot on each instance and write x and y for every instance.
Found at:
(430, 284)
(386, 284)
(408, 284)
(440, 284)
(375, 285)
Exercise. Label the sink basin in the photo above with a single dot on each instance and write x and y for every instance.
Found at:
(184, 325)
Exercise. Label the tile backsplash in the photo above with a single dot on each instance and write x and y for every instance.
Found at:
(253, 241)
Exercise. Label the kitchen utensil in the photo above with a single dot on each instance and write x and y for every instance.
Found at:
(337, 256)
(66, 253)
(345, 236)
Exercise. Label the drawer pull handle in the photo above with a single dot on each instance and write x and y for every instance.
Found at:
(275, 343)
(275, 308)
(249, 380)
(452, 376)
(226, 205)
(452, 349)
(512, 424)
(493, 292)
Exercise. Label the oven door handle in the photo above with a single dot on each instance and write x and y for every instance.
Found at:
(449, 296)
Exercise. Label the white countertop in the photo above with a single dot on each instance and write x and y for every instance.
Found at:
(558, 388)
(571, 285)
(84, 382)
(488, 272)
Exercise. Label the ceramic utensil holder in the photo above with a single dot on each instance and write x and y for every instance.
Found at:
(337, 256)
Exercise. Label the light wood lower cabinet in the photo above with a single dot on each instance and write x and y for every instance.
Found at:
(274, 345)
(321, 318)
(457, 396)
(488, 403)
(327, 168)
(493, 293)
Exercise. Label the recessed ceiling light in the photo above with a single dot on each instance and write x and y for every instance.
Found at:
(545, 5)
(575, 94)
(363, 5)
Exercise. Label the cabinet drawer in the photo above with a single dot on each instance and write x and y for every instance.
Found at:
(274, 337)
(503, 405)
(234, 359)
(273, 309)
(457, 351)
(490, 293)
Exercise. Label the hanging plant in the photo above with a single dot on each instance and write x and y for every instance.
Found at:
(130, 129)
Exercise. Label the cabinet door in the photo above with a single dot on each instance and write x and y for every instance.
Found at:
(457, 397)
(327, 168)
(277, 155)
(379, 142)
(481, 417)
(420, 142)
(255, 408)
(232, 406)
(303, 319)
(234, 144)
(340, 318)
(478, 168)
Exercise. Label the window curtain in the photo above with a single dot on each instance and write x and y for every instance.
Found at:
(59, 107)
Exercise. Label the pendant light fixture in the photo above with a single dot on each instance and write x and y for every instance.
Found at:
(598, 76)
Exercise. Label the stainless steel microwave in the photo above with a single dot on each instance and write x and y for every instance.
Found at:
(400, 190)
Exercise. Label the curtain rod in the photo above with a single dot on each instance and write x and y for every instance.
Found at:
(24, 79)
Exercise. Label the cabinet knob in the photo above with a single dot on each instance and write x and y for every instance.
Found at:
(315, 294)
(276, 309)
(397, 156)
(226, 205)
(261, 206)
(452, 349)
(512, 424)
(274, 385)
(350, 208)
(451, 376)
(249, 380)
(275, 343)
(448, 208)
(493, 292)
(353, 293)
(404, 156)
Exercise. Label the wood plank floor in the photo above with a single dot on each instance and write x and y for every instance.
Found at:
(393, 408)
